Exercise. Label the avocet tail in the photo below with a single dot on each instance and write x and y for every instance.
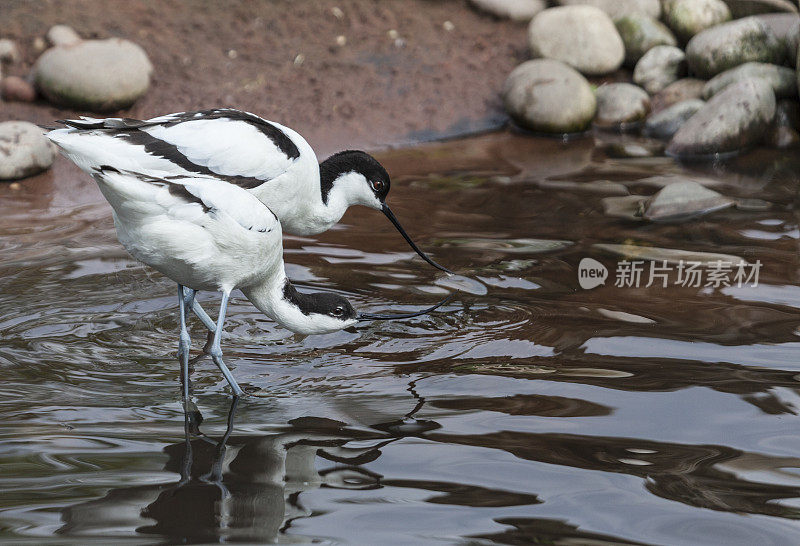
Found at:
(91, 148)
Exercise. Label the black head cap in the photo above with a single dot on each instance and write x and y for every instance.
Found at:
(354, 161)
(323, 303)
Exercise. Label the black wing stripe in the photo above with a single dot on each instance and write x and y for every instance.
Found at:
(181, 192)
(128, 129)
(175, 189)
(170, 152)
(81, 124)
(278, 137)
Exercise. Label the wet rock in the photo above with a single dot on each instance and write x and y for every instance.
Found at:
(9, 53)
(689, 17)
(787, 114)
(671, 255)
(782, 137)
(728, 45)
(593, 186)
(678, 201)
(659, 67)
(62, 35)
(592, 45)
(664, 180)
(679, 91)
(744, 8)
(516, 10)
(15, 89)
(784, 132)
(24, 150)
(783, 80)
(641, 33)
(619, 104)
(682, 201)
(732, 120)
(631, 150)
(96, 75)
(628, 207)
(753, 205)
(620, 8)
(665, 124)
(549, 96)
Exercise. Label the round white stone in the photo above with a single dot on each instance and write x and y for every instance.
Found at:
(24, 150)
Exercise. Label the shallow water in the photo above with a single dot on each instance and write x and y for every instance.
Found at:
(531, 411)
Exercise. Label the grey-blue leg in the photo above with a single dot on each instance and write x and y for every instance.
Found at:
(216, 349)
(194, 305)
(184, 343)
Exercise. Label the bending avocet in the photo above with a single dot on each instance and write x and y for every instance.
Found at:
(206, 234)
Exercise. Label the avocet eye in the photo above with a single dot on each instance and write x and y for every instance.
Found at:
(378, 185)
(338, 311)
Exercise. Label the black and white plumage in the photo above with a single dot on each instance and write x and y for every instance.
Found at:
(203, 198)
(271, 161)
(208, 234)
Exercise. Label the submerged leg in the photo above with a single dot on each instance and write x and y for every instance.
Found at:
(186, 463)
(215, 474)
(184, 343)
(216, 349)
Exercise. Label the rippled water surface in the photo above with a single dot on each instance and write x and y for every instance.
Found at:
(531, 411)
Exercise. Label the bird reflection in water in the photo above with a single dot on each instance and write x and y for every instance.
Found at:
(242, 487)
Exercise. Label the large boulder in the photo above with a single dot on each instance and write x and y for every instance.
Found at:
(786, 27)
(744, 8)
(517, 10)
(97, 75)
(640, 34)
(659, 67)
(783, 80)
(621, 104)
(548, 96)
(665, 124)
(619, 8)
(725, 46)
(583, 37)
(24, 150)
(689, 17)
(732, 120)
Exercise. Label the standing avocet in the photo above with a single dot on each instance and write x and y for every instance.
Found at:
(269, 160)
(206, 234)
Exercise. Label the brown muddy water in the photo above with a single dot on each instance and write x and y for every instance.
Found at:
(531, 411)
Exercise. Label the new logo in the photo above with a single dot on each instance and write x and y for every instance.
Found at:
(591, 273)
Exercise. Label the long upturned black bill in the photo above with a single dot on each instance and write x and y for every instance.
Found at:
(374, 316)
(388, 212)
